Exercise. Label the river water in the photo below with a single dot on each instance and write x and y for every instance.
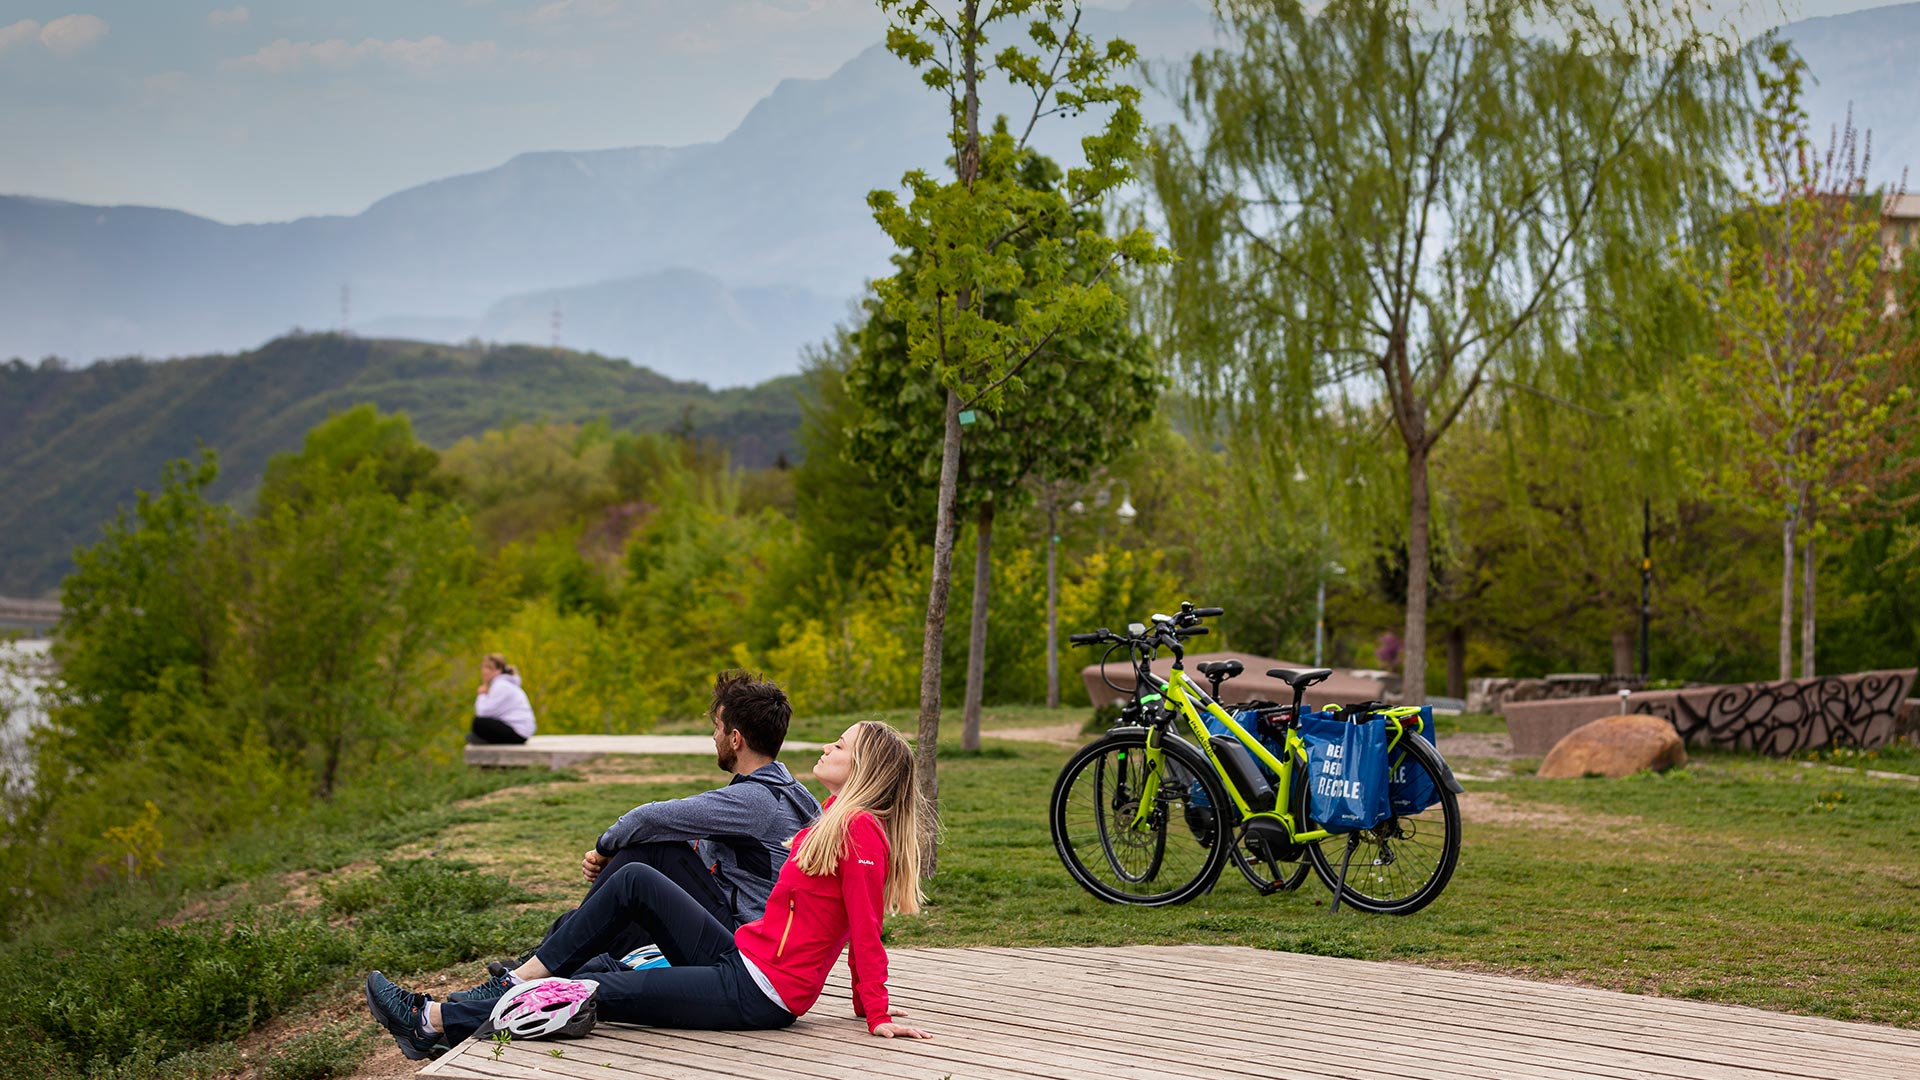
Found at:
(25, 667)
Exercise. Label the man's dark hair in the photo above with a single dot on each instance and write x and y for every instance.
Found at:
(754, 707)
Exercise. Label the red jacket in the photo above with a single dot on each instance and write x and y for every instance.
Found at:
(810, 919)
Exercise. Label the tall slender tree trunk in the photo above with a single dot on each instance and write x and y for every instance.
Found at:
(1456, 661)
(1053, 605)
(927, 748)
(977, 640)
(1413, 669)
(1786, 596)
(1806, 609)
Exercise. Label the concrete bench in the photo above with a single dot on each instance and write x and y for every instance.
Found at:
(560, 751)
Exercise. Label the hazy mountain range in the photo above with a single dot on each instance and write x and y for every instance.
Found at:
(717, 261)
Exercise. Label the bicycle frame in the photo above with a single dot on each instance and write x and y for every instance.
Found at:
(1181, 691)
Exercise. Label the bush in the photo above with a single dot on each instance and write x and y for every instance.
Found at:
(169, 989)
(334, 1050)
(144, 1002)
(427, 913)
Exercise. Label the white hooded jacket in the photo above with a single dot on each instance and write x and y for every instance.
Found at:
(507, 703)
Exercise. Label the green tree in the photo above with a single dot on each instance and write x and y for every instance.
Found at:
(964, 228)
(401, 463)
(1393, 204)
(148, 600)
(1808, 371)
(346, 606)
(1086, 393)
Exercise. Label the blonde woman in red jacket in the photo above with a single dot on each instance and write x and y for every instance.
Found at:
(859, 861)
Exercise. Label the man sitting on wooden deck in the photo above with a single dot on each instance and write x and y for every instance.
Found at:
(724, 847)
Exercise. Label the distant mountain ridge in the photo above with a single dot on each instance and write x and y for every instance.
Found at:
(716, 260)
(775, 214)
(76, 443)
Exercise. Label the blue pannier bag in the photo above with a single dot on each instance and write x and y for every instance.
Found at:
(1347, 777)
(1411, 789)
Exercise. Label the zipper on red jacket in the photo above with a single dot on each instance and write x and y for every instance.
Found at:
(782, 948)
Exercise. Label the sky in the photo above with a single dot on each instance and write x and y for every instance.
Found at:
(273, 109)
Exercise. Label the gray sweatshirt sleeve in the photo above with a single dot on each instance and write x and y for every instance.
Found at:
(737, 809)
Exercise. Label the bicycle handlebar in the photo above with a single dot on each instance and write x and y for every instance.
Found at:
(1190, 631)
(1209, 612)
(1088, 639)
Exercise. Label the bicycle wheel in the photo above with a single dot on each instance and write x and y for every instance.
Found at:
(1170, 855)
(1400, 865)
(1269, 865)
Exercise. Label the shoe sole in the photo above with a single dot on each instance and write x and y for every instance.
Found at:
(399, 1038)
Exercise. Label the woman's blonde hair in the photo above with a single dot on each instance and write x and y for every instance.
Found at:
(499, 663)
(881, 783)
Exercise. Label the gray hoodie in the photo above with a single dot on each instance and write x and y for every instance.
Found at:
(741, 831)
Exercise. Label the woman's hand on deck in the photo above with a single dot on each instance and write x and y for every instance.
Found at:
(901, 1031)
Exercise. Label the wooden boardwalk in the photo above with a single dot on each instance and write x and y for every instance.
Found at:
(1175, 1011)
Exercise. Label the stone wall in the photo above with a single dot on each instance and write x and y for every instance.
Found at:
(1864, 709)
(1493, 695)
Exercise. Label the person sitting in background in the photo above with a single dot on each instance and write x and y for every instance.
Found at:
(502, 713)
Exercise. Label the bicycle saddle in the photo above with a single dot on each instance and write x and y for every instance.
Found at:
(1226, 669)
(1300, 680)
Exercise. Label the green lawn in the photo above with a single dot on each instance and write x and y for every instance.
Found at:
(1737, 880)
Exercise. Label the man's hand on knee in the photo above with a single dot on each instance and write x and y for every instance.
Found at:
(593, 863)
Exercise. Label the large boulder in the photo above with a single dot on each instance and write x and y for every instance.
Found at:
(1615, 746)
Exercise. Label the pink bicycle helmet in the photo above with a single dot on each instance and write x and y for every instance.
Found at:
(539, 1008)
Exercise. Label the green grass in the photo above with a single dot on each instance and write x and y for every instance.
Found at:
(1738, 880)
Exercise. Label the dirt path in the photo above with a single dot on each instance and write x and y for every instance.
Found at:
(1067, 734)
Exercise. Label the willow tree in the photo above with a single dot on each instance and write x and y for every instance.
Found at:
(1387, 207)
(965, 228)
(1810, 376)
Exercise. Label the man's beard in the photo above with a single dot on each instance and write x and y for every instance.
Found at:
(727, 759)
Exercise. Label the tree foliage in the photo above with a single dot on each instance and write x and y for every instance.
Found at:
(964, 230)
(1388, 206)
(1809, 371)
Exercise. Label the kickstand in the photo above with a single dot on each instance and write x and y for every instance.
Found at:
(1340, 887)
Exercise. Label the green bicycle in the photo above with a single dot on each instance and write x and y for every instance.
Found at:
(1146, 816)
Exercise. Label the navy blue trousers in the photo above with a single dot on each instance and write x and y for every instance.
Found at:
(707, 987)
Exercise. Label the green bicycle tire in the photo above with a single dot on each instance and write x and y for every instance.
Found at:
(1373, 882)
(1188, 857)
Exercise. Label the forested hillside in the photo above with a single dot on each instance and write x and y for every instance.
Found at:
(76, 443)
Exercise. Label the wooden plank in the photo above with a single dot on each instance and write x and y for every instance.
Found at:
(1607, 1004)
(1359, 1034)
(1549, 1024)
(1153, 1012)
(1655, 1054)
(1611, 1006)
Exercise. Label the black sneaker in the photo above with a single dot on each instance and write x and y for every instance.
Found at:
(402, 1013)
(490, 990)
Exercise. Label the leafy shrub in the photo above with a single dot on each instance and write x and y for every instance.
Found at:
(417, 914)
(178, 987)
(332, 1051)
(138, 1002)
